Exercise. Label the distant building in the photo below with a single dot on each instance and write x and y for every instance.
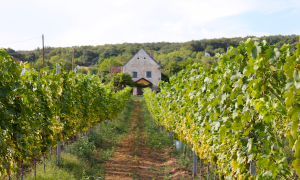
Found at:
(80, 67)
(86, 68)
(207, 54)
(115, 69)
(17, 60)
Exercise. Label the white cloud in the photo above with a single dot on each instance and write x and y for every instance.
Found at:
(69, 23)
(293, 12)
(207, 11)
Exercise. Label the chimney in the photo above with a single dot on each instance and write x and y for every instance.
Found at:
(151, 54)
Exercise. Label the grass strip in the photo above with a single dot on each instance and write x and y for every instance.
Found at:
(155, 139)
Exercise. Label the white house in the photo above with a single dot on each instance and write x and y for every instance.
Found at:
(144, 70)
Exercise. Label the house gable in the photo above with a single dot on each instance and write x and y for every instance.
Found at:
(140, 55)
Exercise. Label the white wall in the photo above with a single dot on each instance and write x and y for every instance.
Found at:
(134, 91)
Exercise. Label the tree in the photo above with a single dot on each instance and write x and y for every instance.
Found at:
(219, 50)
(38, 64)
(111, 62)
(67, 65)
(164, 52)
(82, 71)
(199, 55)
(210, 49)
(93, 69)
(164, 77)
(120, 80)
(106, 64)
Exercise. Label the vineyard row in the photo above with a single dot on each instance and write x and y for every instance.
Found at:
(238, 113)
(39, 109)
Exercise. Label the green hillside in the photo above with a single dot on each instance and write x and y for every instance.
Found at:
(172, 56)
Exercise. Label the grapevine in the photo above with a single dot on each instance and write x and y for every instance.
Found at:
(238, 112)
(39, 109)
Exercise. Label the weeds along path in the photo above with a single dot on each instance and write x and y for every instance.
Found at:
(130, 159)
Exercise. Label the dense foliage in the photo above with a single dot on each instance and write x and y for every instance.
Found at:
(172, 56)
(238, 112)
(119, 80)
(38, 109)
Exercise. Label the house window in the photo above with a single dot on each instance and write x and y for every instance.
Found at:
(134, 74)
(148, 74)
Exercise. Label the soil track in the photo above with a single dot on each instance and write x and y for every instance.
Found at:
(133, 160)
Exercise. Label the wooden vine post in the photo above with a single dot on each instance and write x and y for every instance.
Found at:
(200, 169)
(252, 168)
(44, 162)
(34, 169)
(216, 171)
(50, 153)
(58, 143)
(22, 170)
(8, 172)
(208, 170)
(194, 164)
(58, 153)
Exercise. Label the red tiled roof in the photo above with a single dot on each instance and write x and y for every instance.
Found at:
(17, 60)
(115, 69)
(86, 68)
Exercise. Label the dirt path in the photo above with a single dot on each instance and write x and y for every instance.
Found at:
(132, 160)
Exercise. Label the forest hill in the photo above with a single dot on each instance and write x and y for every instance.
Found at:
(173, 57)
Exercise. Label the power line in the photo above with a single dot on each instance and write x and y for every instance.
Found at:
(47, 43)
(19, 41)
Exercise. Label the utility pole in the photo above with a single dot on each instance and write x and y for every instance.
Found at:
(43, 51)
(73, 57)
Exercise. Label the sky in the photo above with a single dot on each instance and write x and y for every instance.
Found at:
(67, 23)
